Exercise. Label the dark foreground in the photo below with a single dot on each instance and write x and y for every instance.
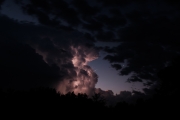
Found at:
(47, 103)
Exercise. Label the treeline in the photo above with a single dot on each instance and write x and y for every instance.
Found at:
(45, 102)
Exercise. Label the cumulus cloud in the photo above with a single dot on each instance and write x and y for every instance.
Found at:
(148, 33)
(53, 56)
(1, 2)
(85, 79)
(130, 97)
(146, 47)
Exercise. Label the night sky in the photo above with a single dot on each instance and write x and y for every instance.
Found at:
(87, 46)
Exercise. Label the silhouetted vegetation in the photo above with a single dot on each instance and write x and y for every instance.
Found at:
(46, 102)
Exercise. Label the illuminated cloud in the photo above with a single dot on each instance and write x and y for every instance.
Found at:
(145, 33)
(67, 53)
(85, 78)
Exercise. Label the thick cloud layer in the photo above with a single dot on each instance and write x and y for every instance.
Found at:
(85, 79)
(147, 30)
(35, 55)
(148, 44)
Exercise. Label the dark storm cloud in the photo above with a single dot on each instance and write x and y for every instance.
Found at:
(93, 25)
(22, 67)
(115, 11)
(108, 3)
(52, 12)
(73, 13)
(84, 8)
(105, 36)
(148, 33)
(46, 56)
(120, 3)
(145, 29)
(89, 37)
(149, 41)
(173, 2)
(123, 3)
(143, 59)
(112, 22)
(1, 2)
(117, 66)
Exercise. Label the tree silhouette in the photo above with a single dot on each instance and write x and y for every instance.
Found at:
(169, 77)
(97, 98)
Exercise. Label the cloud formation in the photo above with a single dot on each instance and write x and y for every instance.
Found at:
(148, 33)
(50, 57)
(85, 79)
